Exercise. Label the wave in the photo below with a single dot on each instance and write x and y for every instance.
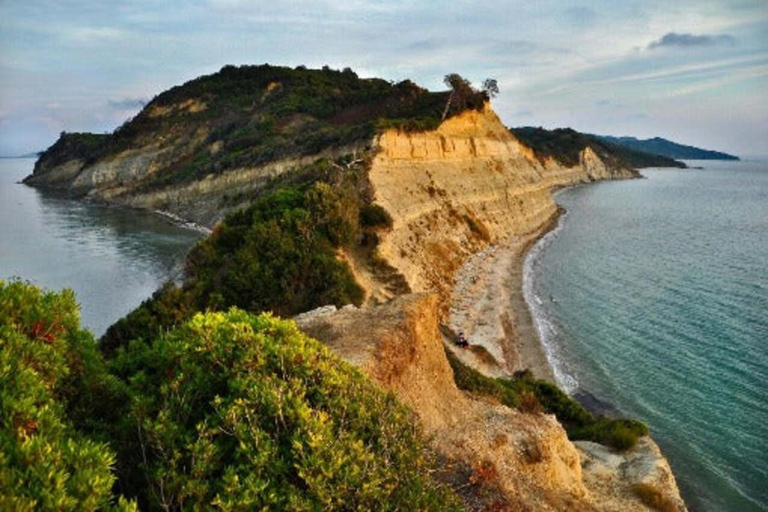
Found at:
(545, 327)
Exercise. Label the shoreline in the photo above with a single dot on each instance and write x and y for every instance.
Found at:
(488, 305)
(502, 332)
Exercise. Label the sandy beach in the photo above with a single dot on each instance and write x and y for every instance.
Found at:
(489, 307)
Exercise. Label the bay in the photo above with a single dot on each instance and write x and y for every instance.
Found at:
(113, 258)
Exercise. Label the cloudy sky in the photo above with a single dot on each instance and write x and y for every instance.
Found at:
(695, 71)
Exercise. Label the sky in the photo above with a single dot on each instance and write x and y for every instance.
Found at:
(694, 71)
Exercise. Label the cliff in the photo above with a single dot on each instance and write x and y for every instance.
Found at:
(499, 458)
(465, 186)
(455, 193)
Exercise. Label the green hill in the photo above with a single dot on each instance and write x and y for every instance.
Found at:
(566, 144)
(664, 147)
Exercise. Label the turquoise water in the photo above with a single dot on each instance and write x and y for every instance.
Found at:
(113, 258)
(653, 295)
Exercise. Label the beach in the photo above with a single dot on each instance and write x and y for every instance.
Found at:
(488, 306)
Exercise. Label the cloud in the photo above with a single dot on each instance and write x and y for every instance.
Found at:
(580, 16)
(128, 103)
(675, 40)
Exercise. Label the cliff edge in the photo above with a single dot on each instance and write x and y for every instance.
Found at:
(498, 458)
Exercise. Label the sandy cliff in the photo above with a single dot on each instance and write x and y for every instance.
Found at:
(499, 458)
(464, 186)
(468, 199)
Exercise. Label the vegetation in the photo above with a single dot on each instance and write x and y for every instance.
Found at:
(229, 411)
(87, 146)
(278, 255)
(244, 412)
(565, 146)
(52, 384)
(654, 498)
(248, 116)
(531, 395)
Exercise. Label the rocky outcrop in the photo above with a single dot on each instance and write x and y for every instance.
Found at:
(633, 480)
(500, 458)
(521, 461)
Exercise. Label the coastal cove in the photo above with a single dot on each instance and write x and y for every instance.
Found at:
(651, 295)
(112, 257)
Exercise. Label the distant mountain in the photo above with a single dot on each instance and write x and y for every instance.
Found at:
(27, 155)
(565, 146)
(664, 147)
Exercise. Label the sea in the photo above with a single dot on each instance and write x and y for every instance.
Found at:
(113, 258)
(651, 295)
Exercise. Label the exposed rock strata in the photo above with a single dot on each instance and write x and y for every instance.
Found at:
(459, 188)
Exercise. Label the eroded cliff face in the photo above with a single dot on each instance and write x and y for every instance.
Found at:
(499, 458)
(459, 188)
(133, 177)
(454, 192)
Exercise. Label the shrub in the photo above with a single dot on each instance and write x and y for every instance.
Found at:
(246, 412)
(375, 216)
(50, 377)
(653, 498)
(277, 255)
(531, 395)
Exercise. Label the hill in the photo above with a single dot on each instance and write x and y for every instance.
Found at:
(565, 144)
(664, 147)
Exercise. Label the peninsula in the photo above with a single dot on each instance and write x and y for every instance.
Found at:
(385, 218)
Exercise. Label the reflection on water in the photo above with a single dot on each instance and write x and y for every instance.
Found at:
(113, 258)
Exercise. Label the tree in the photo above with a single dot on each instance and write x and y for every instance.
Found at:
(461, 92)
(491, 87)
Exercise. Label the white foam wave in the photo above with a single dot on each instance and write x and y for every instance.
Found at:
(545, 328)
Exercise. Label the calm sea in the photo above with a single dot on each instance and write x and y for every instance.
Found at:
(653, 295)
(113, 258)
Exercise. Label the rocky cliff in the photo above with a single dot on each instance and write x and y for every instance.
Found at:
(499, 458)
(455, 192)
(462, 187)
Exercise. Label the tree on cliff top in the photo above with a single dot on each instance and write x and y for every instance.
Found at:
(464, 96)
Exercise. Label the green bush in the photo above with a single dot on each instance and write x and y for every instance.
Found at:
(520, 391)
(52, 387)
(374, 216)
(246, 412)
(278, 255)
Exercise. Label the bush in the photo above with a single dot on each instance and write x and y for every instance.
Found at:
(375, 216)
(246, 412)
(50, 377)
(531, 396)
(653, 498)
(278, 255)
